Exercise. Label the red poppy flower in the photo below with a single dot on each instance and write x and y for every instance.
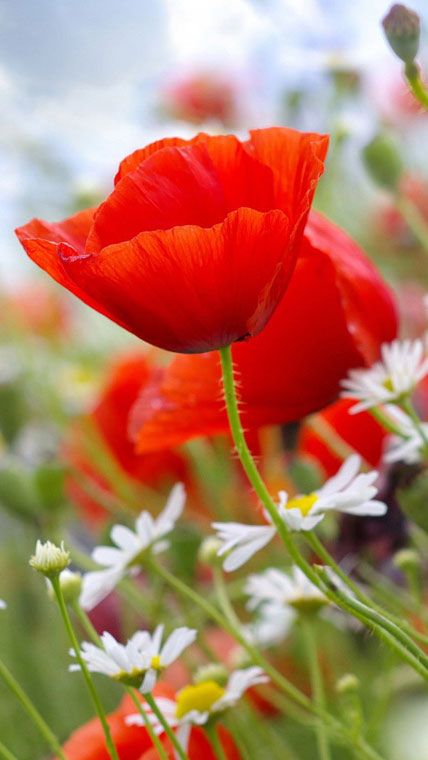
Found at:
(125, 379)
(194, 247)
(334, 315)
(202, 96)
(330, 436)
(199, 747)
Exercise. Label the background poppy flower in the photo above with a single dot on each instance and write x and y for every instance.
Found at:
(335, 314)
(199, 747)
(125, 379)
(194, 247)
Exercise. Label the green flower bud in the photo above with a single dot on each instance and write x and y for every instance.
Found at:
(347, 684)
(383, 162)
(403, 29)
(49, 559)
(207, 553)
(71, 586)
(212, 672)
(407, 560)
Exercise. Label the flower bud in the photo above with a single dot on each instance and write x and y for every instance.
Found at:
(347, 684)
(212, 672)
(208, 551)
(383, 162)
(407, 560)
(402, 29)
(49, 559)
(71, 586)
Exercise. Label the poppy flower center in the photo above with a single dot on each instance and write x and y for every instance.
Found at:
(200, 697)
(303, 503)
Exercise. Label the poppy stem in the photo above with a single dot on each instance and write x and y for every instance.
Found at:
(85, 672)
(378, 622)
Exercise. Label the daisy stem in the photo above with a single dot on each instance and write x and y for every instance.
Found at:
(413, 77)
(6, 754)
(31, 710)
(150, 730)
(386, 422)
(85, 672)
(307, 623)
(388, 631)
(166, 727)
(93, 635)
(410, 410)
(211, 732)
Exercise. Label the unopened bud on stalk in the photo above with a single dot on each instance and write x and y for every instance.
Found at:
(403, 29)
(49, 559)
(383, 162)
(71, 586)
(208, 551)
(407, 560)
(347, 684)
(213, 672)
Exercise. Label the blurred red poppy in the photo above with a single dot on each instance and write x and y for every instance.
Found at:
(202, 96)
(335, 314)
(36, 309)
(125, 379)
(330, 436)
(199, 747)
(195, 246)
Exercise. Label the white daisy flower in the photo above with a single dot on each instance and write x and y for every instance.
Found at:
(197, 703)
(131, 546)
(403, 365)
(280, 589)
(271, 626)
(348, 491)
(138, 662)
(3, 605)
(409, 446)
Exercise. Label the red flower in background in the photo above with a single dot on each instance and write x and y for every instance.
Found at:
(125, 379)
(330, 436)
(194, 247)
(201, 97)
(335, 314)
(133, 742)
(36, 309)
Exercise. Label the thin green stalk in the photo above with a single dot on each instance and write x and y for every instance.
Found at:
(307, 623)
(328, 560)
(410, 410)
(167, 728)
(413, 218)
(386, 422)
(150, 730)
(402, 643)
(5, 753)
(31, 710)
(211, 732)
(85, 672)
(413, 77)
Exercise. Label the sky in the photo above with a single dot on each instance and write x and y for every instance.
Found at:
(80, 82)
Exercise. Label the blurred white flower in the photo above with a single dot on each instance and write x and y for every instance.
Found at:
(409, 446)
(3, 605)
(349, 491)
(281, 589)
(140, 661)
(131, 547)
(403, 365)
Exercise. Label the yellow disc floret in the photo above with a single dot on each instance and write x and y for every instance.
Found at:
(303, 503)
(156, 663)
(200, 697)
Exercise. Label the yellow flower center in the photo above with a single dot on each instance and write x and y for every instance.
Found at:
(388, 385)
(200, 697)
(156, 663)
(303, 503)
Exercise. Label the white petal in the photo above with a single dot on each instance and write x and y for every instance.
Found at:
(97, 585)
